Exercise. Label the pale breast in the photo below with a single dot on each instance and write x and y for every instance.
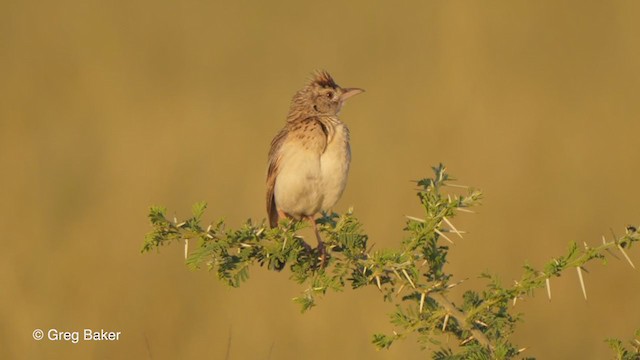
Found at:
(334, 166)
(297, 189)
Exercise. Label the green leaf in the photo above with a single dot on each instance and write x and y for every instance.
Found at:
(198, 209)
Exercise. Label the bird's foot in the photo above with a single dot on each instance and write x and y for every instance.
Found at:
(323, 255)
(306, 246)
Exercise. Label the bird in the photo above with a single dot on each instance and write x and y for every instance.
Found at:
(309, 158)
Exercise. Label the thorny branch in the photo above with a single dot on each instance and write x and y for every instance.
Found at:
(416, 269)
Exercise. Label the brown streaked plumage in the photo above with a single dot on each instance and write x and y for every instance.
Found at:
(309, 158)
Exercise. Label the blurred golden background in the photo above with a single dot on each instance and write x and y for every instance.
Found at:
(110, 107)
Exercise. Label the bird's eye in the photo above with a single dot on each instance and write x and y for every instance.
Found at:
(330, 94)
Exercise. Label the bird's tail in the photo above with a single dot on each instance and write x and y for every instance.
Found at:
(272, 211)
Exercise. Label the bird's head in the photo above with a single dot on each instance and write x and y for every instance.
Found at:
(321, 96)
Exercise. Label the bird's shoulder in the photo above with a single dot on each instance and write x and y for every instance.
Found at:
(309, 133)
(306, 134)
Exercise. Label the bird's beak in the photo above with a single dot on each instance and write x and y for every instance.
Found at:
(349, 92)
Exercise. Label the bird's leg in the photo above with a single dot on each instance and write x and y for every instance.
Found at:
(306, 246)
(284, 215)
(321, 248)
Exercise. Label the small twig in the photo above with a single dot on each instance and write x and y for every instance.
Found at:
(270, 350)
(148, 346)
(461, 318)
(228, 354)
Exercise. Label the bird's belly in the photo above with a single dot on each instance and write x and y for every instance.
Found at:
(297, 189)
(334, 164)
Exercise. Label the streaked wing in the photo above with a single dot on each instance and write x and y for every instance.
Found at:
(272, 173)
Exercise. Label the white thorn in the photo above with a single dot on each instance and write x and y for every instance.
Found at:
(408, 278)
(481, 323)
(395, 272)
(584, 290)
(467, 340)
(443, 235)
(451, 231)
(455, 284)
(422, 296)
(548, 288)
(452, 227)
(466, 210)
(415, 218)
(626, 256)
(186, 248)
(458, 186)
(444, 324)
